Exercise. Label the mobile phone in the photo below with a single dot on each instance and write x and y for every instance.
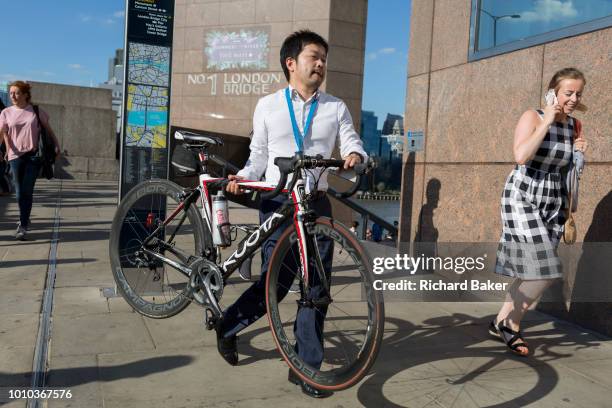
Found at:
(550, 97)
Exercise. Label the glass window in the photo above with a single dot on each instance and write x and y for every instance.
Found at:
(501, 26)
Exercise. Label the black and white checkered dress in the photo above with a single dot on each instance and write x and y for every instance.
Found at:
(533, 209)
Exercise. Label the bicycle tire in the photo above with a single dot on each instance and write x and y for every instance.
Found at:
(357, 272)
(137, 284)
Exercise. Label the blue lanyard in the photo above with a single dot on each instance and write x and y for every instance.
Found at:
(299, 139)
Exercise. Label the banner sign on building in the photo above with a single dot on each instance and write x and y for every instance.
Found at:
(146, 107)
(243, 49)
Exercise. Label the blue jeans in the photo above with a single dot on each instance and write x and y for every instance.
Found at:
(24, 170)
(251, 305)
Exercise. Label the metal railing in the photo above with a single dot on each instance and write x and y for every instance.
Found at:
(366, 215)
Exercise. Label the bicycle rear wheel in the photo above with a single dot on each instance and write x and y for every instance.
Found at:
(150, 286)
(353, 321)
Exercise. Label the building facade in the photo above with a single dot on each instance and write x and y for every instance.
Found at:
(114, 82)
(467, 99)
(368, 131)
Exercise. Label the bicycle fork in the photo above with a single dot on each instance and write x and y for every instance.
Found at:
(314, 256)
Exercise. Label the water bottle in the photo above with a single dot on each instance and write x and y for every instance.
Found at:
(220, 220)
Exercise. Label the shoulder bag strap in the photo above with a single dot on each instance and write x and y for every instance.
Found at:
(40, 148)
(577, 128)
(40, 128)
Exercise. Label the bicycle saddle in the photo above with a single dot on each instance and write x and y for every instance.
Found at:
(197, 138)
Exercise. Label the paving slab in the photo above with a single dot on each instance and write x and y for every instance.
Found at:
(18, 329)
(23, 278)
(16, 367)
(79, 301)
(200, 379)
(99, 333)
(80, 375)
(14, 301)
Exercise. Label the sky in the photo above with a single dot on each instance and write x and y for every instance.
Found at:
(71, 41)
(386, 57)
(64, 41)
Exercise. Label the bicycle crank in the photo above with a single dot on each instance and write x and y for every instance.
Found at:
(206, 283)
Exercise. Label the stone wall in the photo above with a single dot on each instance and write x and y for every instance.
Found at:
(468, 111)
(84, 123)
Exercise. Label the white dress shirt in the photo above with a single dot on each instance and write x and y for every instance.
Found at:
(273, 133)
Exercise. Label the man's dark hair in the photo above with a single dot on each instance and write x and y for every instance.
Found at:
(295, 43)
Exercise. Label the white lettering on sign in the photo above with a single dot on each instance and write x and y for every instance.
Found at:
(202, 79)
(236, 84)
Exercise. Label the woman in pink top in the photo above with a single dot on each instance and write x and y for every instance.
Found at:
(20, 131)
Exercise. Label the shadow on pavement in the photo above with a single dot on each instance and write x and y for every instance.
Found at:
(30, 262)
(71, 377)
(429, 361)
(433, 359)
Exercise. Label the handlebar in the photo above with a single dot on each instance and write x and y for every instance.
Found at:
(288, 165)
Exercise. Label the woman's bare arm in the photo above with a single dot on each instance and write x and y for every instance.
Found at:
(530, 132)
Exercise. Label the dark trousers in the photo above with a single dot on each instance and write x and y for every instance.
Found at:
(25, 170)
(308, 326)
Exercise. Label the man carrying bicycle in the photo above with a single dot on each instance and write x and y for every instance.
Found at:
(298, 118)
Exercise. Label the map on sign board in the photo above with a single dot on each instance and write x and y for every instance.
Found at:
(147, 121)
(149, 64)
(237, 49)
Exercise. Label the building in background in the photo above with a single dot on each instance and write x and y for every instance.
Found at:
(474, 67)
(390, 123)
(4, 96)
(393, 132)
(115, 84)
(384, 148)
(369, 133)
(389, 155)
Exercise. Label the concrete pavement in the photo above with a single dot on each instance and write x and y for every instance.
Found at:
(434, 354)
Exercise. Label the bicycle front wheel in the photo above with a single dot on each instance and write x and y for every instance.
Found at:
(149, 285)
(350, 320)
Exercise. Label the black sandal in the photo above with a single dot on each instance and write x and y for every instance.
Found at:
(493, 331)
(513, 339)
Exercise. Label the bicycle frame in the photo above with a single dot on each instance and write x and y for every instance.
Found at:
(254, 240)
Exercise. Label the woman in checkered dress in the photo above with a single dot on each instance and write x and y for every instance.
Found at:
(534, 202)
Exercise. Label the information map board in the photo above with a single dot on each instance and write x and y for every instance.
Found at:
(146, 94)
(145, 131)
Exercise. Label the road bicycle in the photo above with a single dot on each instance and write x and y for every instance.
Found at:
(163, 258)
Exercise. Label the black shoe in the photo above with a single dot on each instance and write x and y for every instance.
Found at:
(307, 388)
(227, 347)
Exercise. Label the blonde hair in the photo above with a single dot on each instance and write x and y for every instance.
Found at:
(24, 87)
(567, 73)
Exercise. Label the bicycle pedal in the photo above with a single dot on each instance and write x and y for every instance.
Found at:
(315, 303)
(210, 321)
